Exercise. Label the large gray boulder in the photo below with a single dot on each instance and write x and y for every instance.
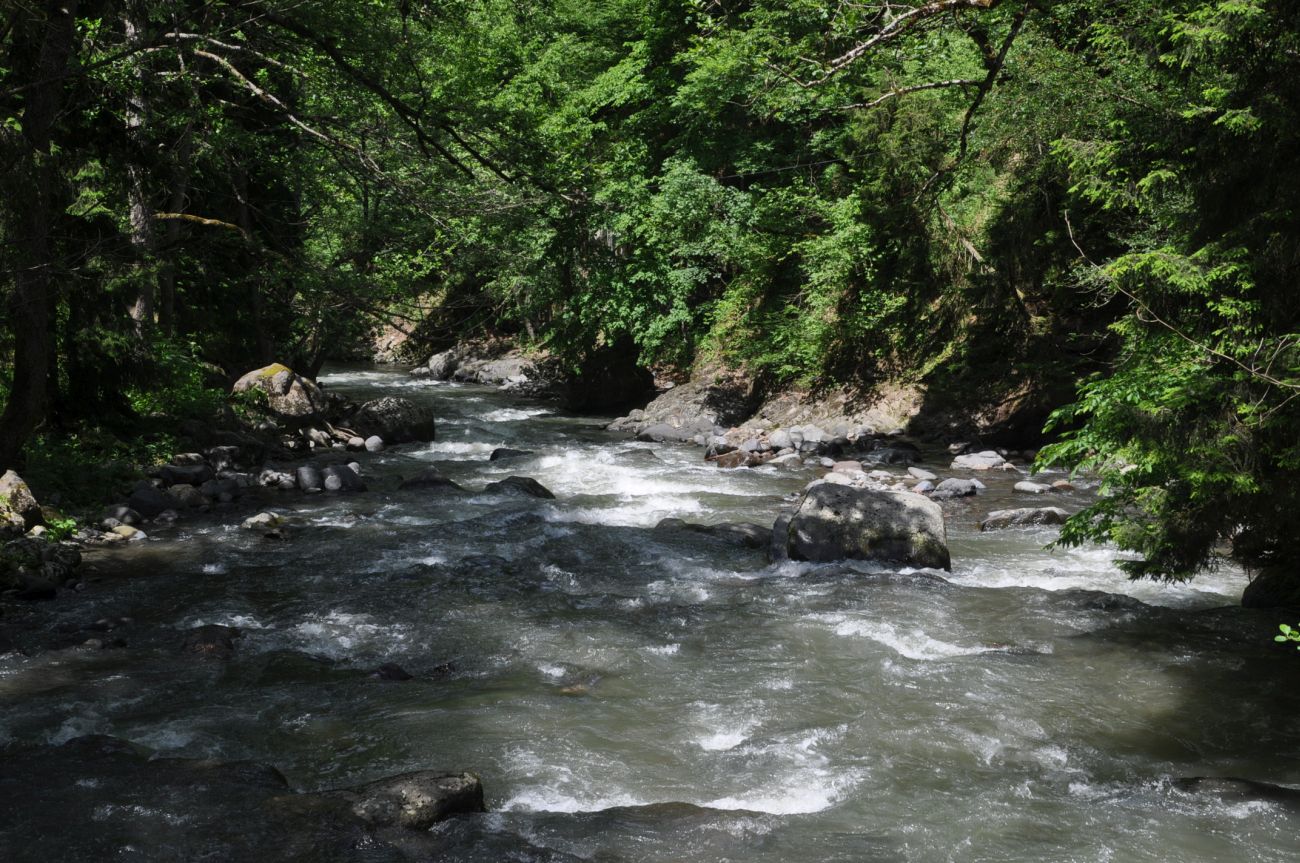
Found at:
(395, 420)
(19, 510)
(288, 394)
(519, 486)
(986, 460)
(835, 522)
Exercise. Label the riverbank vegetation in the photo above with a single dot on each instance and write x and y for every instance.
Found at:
(1091, 201)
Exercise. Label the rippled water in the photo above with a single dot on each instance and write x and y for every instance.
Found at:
(633, 694)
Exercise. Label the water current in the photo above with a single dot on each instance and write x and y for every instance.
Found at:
(629, 694)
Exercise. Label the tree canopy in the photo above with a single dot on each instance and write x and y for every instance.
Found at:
(1056, 193)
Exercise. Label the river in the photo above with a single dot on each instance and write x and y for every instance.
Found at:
(630, 694)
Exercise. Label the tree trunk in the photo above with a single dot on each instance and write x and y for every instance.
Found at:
(34, 179)
(180, 184)
(140, 210)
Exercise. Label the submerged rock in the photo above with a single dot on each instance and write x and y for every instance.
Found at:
(1027, 487)
(211, 640)
(744, 534)
(951, 488)
(429, 478)
(391, 671)
(505, 452)
(1024, 517)
(1232, 789)
(835, 522)
(415, 800)
(519, 485)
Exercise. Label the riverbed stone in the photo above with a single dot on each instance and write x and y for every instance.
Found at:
(443, 365)
(985, 460)
(519, 485)
(416, 800)
(212, 641)
(780, 439)
(309, 478)
(374, 443)
(1024, 517)
(187, 496)
(835, 522)
(922, 473)
(186, 474)
(951, 488)
(342, 477)
(149, 500)
(395, 420)
(429, 478)
(263, 521)
(1272, 587)
(505, 452)
(1028, 487)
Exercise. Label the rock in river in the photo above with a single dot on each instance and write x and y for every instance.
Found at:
(19, 510)
(1004, 518)
(287, 394)
(834, 522)
(394, 420)
(519, 485)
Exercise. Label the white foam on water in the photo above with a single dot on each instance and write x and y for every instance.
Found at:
(1094, 568)
(546, 799)
(338, 633)
(215, 569)
(456, 448)
(135, 812)
(663, 650)
(77, 726)
(506, 415)
(552, 671)
(913, 644)
(239, 621)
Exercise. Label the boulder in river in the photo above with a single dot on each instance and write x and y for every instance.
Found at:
(19, 511)
(1273, 587)
(1004, 518)
(186, 474)
(504, 452)
(1233, 790)
(835, 522)
(288, 394)
(951, 488)
(393, 419)
(148, 500)
(211, 640)
(519, 485)
(743, 534)
(342, 477)
(1027, 487)
(416, 800)
(985, 460)
(429, 478)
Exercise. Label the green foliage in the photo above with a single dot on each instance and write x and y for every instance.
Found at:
(1288, 635)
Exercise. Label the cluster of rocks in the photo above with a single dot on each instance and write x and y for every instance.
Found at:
(32, 564)
(34, 568)
(234, 810)
(606, 378)
(493, 364)
(308, 418)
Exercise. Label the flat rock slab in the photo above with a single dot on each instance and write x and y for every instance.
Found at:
(1024, 517)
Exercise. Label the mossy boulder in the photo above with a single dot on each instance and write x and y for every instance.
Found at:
(289, 395)
(19, 511)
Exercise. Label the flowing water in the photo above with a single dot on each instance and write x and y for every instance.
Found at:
(630, 694)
